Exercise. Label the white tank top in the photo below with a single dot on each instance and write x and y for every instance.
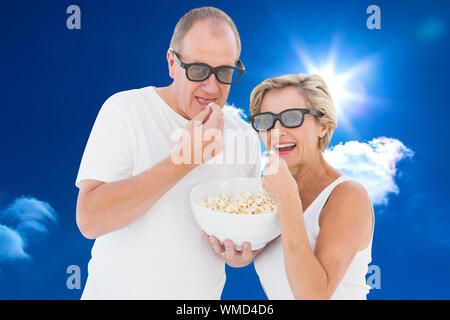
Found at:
(269, 264)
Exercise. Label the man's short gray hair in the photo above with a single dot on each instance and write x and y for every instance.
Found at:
(203, 13)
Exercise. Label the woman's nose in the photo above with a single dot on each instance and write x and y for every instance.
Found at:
(277, 132)
(280, 128)
(278, 125)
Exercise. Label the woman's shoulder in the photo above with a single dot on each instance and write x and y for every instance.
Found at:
(349, 198)
(349, 186)
(350, 191)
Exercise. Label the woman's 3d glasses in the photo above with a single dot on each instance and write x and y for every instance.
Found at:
(290, 118)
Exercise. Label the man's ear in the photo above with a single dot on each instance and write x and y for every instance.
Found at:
(171, 63)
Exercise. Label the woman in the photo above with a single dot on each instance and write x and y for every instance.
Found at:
(326, 219)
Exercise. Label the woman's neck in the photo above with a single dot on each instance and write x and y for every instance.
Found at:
(313, 175)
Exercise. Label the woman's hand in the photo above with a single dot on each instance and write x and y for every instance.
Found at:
(233, 258)
(278, 180)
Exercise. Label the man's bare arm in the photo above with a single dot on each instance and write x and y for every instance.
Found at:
(105, 207)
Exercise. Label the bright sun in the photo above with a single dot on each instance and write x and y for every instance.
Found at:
(346, 87)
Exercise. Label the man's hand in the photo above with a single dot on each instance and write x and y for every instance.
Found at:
(233, 258)
(202, 138)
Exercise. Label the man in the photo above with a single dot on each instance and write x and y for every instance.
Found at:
(134, 189)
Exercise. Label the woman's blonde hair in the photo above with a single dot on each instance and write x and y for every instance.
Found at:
(315, 91)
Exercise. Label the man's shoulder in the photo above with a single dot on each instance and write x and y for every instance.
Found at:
(128, 102)
(234, 117)
(130, 96)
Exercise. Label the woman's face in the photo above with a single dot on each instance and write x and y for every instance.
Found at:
(294, 145)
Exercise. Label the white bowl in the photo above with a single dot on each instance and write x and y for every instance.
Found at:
(258, 229)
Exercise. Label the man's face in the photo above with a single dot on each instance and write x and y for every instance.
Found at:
(207, 42)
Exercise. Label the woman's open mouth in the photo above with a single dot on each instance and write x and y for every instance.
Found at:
(285, 147)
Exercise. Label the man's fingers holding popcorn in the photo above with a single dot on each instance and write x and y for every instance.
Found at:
(215, 119)
(201, 117)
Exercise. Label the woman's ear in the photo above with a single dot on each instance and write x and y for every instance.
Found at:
(323, 130)
(171, 63)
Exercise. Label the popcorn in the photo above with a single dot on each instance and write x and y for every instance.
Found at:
(241, 203)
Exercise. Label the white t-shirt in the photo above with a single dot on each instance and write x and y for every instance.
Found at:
(161, 255)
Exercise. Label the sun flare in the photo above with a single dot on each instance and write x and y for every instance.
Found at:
(346, 86)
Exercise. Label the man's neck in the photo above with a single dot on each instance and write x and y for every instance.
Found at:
(166, 94)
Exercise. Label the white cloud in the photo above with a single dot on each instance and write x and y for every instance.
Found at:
(11, 244)
(24, 218)
(372, 164)
(237, 111)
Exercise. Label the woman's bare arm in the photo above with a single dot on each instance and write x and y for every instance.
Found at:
(345, 223)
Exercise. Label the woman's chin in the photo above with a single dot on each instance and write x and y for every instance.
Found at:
(292, 158)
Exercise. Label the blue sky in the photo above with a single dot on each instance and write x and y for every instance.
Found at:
(392, 122)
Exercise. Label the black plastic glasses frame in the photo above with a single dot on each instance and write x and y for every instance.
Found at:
(240, 69)
(276, 117)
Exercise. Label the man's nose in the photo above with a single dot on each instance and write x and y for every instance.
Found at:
(211, 85)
